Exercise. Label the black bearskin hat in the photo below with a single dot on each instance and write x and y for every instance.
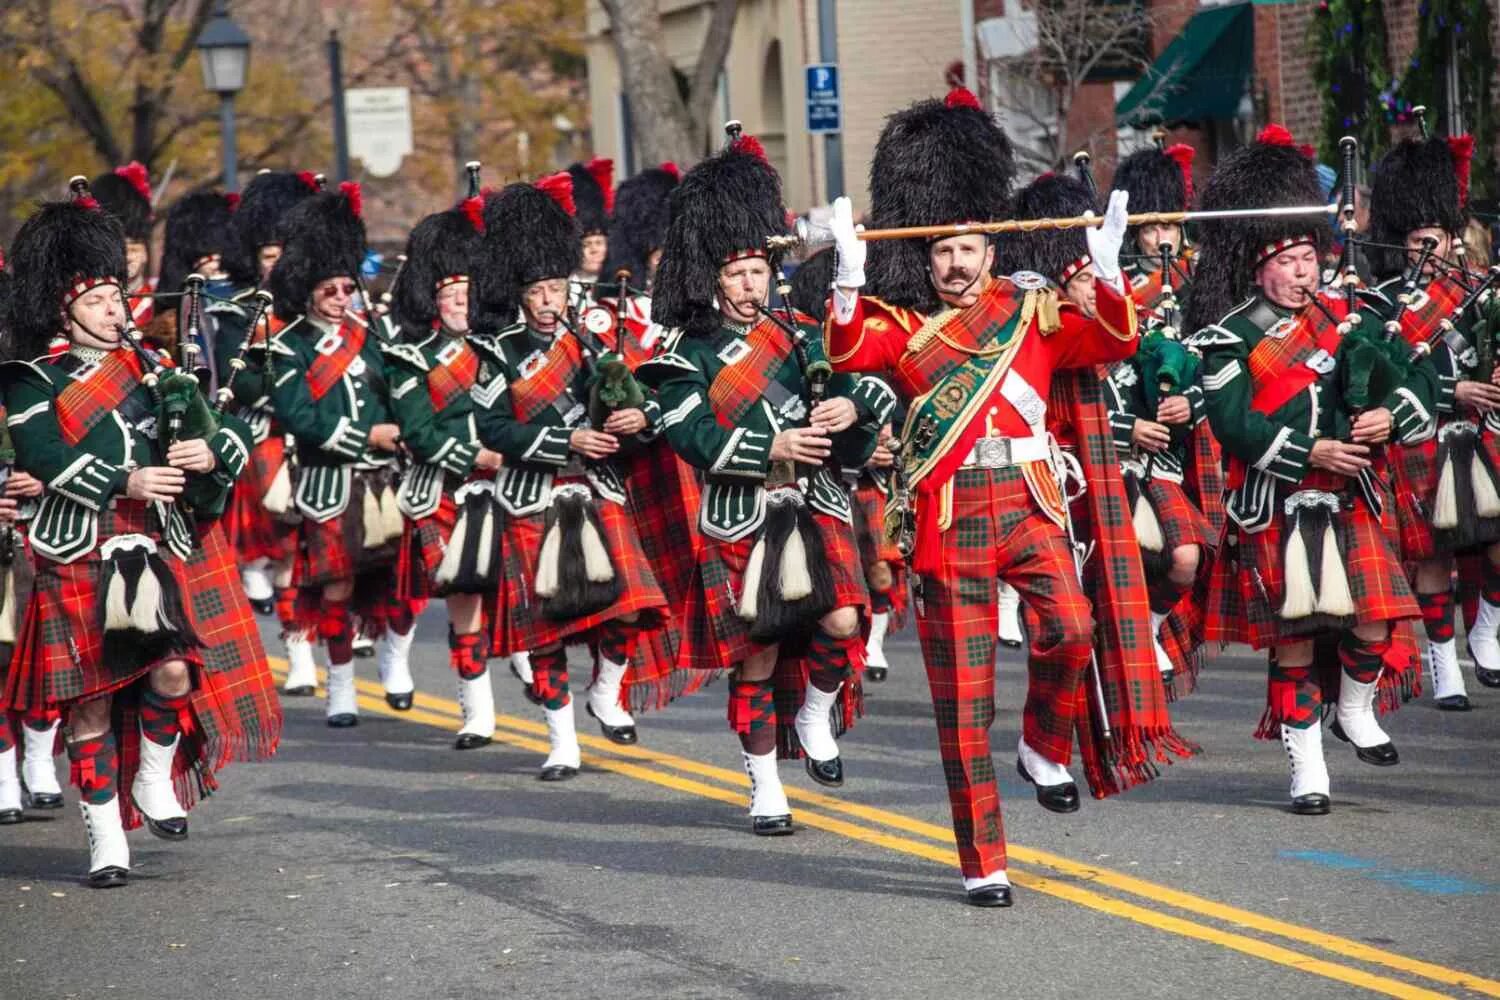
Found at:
(322, 238)
(63, 243)
(265, 200)
(812, 283)
(198, 226)
(594, 194)
(1272, 171)
(530, 235)
(935, 163)
(642, 211)
(1419, 184)
(1053, 253)
(125, 193)
(1157, 180)
(726, 207)
(440, 249)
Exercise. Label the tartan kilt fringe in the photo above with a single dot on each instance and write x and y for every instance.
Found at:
(1182, 523)
(1400, 677)
(252, 531)
(523, 626)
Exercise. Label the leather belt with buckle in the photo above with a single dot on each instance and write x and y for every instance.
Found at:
(1002, 453)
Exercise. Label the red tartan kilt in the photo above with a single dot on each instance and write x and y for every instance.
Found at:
(523, 626)
(422, 545)
(253, 532)
(664, 496)
(1414, 480)
(1248, 580)
(869, 536)
(1182, 523)
(714, 636)
(334, 550)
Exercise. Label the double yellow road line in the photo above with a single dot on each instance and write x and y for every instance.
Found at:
(1041, 871)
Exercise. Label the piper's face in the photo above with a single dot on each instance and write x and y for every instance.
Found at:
(958, 265)
(210, 266)
(266, 259)
(97, 318)
(595, 247)
(543, 302)
(744, 286)
(136, 256)
(1152, 235)
(1080, 291)
(653, 260)
(1290, 278)
(453, 307)
(331, 298)
(1443, 249)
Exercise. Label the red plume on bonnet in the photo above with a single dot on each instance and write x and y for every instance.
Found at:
(962, 97)
(602, 169)
(559, 187)
(672, 169)
(1182, 154)
(751, 145)
(473, 209)
(135, 173)
(1462, 148)
(309, 178)
(233, 197)
(1275, 135)
(350, 190)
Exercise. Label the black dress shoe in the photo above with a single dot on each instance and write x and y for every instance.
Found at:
(875, 674)
(111, 877)
(1312, 804)
(302, 691)
(771, 826)
(1489, 678)
(400, 702)
(557, 772)
(1384, 755)
(168, 829)
(1167, 676)
(264, 608)
(471, 741)
(826, 772)
(343, 720)
(1061, 798)
(41, 800)
(623, 735)
(9, 817)
(364, 651)
(990, 895)
(1454, 703)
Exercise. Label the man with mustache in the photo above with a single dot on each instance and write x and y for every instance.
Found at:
(974, 355)
(1306, 469)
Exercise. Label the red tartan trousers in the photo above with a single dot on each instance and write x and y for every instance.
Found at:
(999, 532)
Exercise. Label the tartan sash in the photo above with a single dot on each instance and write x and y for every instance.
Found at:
(552, 381)
(447, 381)
(1278, 365)
(88, 400)
(1428, 307)
(327, 369)
(739, 386)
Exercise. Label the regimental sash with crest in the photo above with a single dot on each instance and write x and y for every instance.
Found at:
(1293, 354)
(94, 394)
(740, 385)
(336, 351)
(541, 386)
(455, 373)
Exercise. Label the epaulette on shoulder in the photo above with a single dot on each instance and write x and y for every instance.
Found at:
(1214, 336)
(663, 368)
(408, 354)
(279, 344)
(510, 331)
(38, 366)
(1377, 297)
(486, 343)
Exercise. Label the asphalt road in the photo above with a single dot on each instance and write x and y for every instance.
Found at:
(378, 862)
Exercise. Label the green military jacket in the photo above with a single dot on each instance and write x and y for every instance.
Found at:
(444, 443)
(331, 433)
(1275, 449)
(82, 478)
(736, 461)
(1125, 399)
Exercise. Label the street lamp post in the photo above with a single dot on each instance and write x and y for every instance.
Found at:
(225, 52)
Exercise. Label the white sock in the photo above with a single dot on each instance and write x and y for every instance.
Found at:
(341, 696)
(1304, 751)
(152, 788)
(767, 796)
(106, 832)
(1484, 637)
(394, 661)
(562, 737)
(604, 694)
(875, 645)
(986, 881)
(814, 723)
(1442, 661)
(1043, 772)
(256, 580)
(1010, 614)
(1356, 713)
(1163, 661)
(10, 783)
(302, 668)
(522, 662)
(39, 768)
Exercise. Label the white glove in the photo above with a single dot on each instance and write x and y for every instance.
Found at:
(849, 248)
(1105, 241)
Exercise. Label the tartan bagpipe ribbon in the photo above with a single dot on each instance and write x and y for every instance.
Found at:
(1142, 737)
(738, 387)
(448, 380)
(88, 400)
(533, 394)
(328, 367)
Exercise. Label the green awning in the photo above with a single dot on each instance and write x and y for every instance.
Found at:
(1200, 76)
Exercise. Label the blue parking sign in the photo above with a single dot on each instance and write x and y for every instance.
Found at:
(824, 109)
